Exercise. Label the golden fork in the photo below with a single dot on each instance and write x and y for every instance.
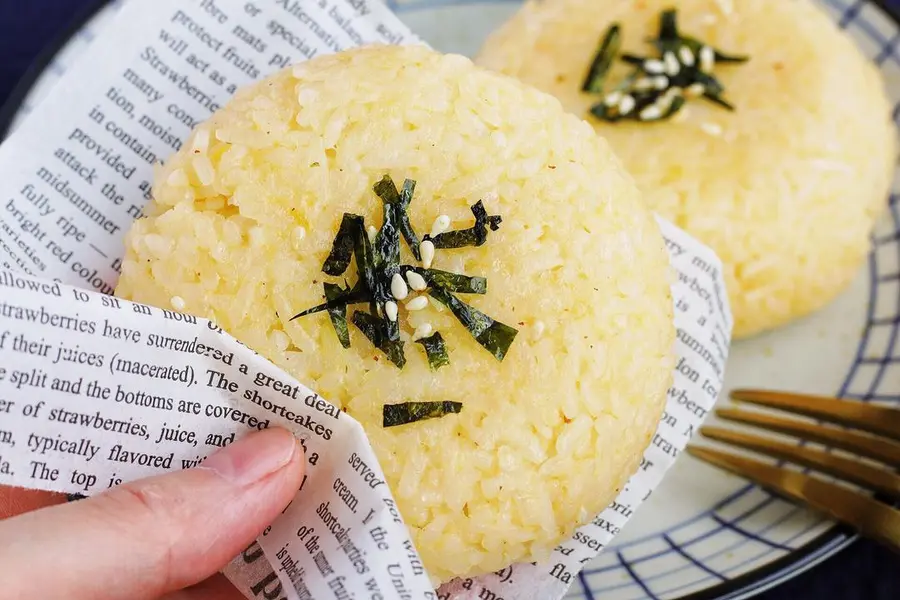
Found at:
(875, 435)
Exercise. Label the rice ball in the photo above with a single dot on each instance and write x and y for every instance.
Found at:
(244, 217)
(787, 187)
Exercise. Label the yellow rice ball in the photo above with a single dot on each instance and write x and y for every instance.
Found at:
(786, 188)
(245, 214)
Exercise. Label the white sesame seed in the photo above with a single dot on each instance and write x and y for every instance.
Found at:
(200, 144)
(672, 64)
(436, 305)
(664, 102)
(178, 178)
(299, 234)
(627, 104)
(398, 287)
(707, 59)
(654, 66)
(177, 302)
(371, 232)
(713, 129)
(660, 82)
(709, 19)
(391, 310)
(423, 331)
(695, 89)
(416, 281)
(427, 250)
(538, 328)
(643, 84)
(651, 112)
(441, 224)
(417, 303)
(672, 93)
(613, 98)
(686, 56)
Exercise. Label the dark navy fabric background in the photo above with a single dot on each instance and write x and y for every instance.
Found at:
(862, 572)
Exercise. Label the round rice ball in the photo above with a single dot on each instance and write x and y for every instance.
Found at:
(785, 188)
(245, 214)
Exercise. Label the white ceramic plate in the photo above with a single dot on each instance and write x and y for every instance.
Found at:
(703, 534)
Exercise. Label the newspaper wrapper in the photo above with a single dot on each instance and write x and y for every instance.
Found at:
(95, 391)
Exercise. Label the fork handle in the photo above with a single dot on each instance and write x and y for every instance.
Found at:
(870, 517)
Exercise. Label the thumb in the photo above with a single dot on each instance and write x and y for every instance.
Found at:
(156, 535)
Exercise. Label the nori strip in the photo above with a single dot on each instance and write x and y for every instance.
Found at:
(474, 236)
(452, 282)
(338, 313)
(342, 248)
(365, 264)
(386, 250)
(729, 58)
(633, 59)
(668, 25)
(609, 48)
(494, 336)
(710, 83)
(359, 294)
(387, 244)
(436, 350)
(375, 330)
(411, 412)
(386, 190)
(409, 234)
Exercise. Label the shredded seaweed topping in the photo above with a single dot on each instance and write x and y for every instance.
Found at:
(412, 412)
(476, 235)
(376, 331)
(358, 295)
(436, 350)
(342, 249)
(494, 336)
(384, 281)
(610, 45)
(338, 313)
(409, 234)
(659, 86)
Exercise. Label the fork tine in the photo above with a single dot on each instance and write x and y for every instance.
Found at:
(839, 466)
(872, 518)
(881, 449)
(874, 419)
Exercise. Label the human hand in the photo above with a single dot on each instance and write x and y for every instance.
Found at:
(169, 534)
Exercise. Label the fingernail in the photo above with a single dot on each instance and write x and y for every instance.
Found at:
(253, 457)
